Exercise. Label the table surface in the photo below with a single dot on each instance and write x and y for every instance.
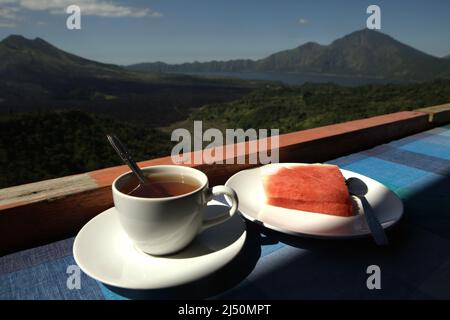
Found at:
(416, 265)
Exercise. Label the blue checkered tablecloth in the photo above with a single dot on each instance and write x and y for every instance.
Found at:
(271, 265)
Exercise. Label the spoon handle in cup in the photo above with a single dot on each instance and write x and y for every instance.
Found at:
(123, 153)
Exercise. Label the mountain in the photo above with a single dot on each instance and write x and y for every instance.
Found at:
(35, 75)
(26, 59)
(33, 59)
(362, 53)
(447, 57)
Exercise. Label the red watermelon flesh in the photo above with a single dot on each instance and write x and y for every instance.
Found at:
(313, 188)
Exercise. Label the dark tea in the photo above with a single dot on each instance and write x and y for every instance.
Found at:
(160, 185)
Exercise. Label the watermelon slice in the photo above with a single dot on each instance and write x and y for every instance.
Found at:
(314, 188)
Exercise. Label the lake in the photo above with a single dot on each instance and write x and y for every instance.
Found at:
(294, 78)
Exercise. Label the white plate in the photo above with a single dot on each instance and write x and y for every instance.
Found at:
(104, 252)
(248, 185)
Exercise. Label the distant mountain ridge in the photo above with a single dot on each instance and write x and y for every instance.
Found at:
(35, 75)
(361, 53)
(33, 60)
(28, 59)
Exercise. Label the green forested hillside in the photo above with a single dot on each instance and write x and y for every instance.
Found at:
(42, 145)
(37, 146)
(312, 105)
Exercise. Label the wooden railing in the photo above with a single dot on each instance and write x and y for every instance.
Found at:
(45, 211)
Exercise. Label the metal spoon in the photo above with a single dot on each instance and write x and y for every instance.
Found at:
(358, 188)
(123, 153)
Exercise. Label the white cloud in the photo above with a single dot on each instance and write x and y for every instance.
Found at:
(8, 12)
(303, 21)
(102, 8)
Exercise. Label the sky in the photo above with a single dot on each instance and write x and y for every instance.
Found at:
(175, 31)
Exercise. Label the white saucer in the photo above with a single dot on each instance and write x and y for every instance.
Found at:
(104, 252)
(248, 186)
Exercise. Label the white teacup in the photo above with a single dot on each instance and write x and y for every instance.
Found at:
(161, 226)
